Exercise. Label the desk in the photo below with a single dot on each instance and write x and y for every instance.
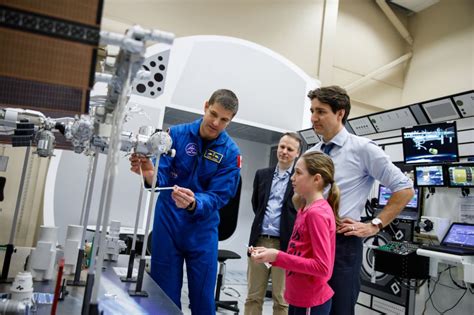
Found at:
(157, 303)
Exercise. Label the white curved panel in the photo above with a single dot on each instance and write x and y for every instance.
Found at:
(48, 203)
(271, 89)
(272, 93)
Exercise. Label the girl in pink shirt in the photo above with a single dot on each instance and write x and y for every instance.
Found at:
(309, 259)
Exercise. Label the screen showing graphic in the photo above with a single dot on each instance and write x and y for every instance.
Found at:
(385, 194)
(460, 234)
(429, 175)
(461, 175)
(433, 143)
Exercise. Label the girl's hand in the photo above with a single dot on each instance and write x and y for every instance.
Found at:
(263, 255)
(253, 250)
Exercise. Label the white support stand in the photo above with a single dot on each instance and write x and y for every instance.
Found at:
(42, 258)
(71, 247)
(113, 244)
(466, 262)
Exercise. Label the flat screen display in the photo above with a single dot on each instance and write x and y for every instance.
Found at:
(411, 210)
(434, 143)
(429, 176)
(460, 234)
(385, 194)
(460, 175)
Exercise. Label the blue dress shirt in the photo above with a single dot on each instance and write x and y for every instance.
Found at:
(358, 163)
(271, 220)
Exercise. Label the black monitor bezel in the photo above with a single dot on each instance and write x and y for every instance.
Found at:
(443, 167)
(447, 166)
(446, 123)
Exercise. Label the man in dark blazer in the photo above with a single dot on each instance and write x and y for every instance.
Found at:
(273, 224)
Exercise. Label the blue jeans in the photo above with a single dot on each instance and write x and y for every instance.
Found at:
(345, 280)
(322, 309)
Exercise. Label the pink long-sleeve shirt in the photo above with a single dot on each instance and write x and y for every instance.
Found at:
(309, 260)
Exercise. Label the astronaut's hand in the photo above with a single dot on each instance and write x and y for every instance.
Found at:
(184, 198)
(138, 161)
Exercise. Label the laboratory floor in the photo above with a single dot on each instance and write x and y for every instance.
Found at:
(236, 289)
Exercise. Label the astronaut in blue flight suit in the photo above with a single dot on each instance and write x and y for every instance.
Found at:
(205, 173)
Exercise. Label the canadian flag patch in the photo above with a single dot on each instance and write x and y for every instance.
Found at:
(239, 161)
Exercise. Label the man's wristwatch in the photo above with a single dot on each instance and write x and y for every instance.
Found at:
(377, 222)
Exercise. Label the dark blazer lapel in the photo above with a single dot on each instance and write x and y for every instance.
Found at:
(289, 188)
(268, 179)
(287, 191)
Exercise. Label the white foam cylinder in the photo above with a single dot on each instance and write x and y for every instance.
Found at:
(42, 258)
(48, 234)
(71, 247)
(74, 232)
(115, 225)
(113, 244)
(114, 230)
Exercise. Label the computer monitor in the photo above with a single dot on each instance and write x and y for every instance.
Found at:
(434, 143)
(411, 210)
(385, 194)
(460, 234)
(430, 176)
(461, 175)
(309, 136)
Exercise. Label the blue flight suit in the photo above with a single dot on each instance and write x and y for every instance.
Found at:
(211, 170)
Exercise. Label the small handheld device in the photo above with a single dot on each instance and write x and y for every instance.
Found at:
(253, 253)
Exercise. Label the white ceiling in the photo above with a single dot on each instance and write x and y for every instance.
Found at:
(414, 5)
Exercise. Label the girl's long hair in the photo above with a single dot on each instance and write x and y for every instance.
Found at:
(320, 163)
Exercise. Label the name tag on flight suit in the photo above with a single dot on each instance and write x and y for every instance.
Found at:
(213, 156)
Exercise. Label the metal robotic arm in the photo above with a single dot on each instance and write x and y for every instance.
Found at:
(30, 125)
(10, 117)
(147, 142)
(80, 132)
(86, 132)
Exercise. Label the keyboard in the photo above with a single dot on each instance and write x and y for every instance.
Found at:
(449, 249)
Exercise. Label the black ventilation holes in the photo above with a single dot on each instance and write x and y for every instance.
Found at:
(158, 77)
(141, 88)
